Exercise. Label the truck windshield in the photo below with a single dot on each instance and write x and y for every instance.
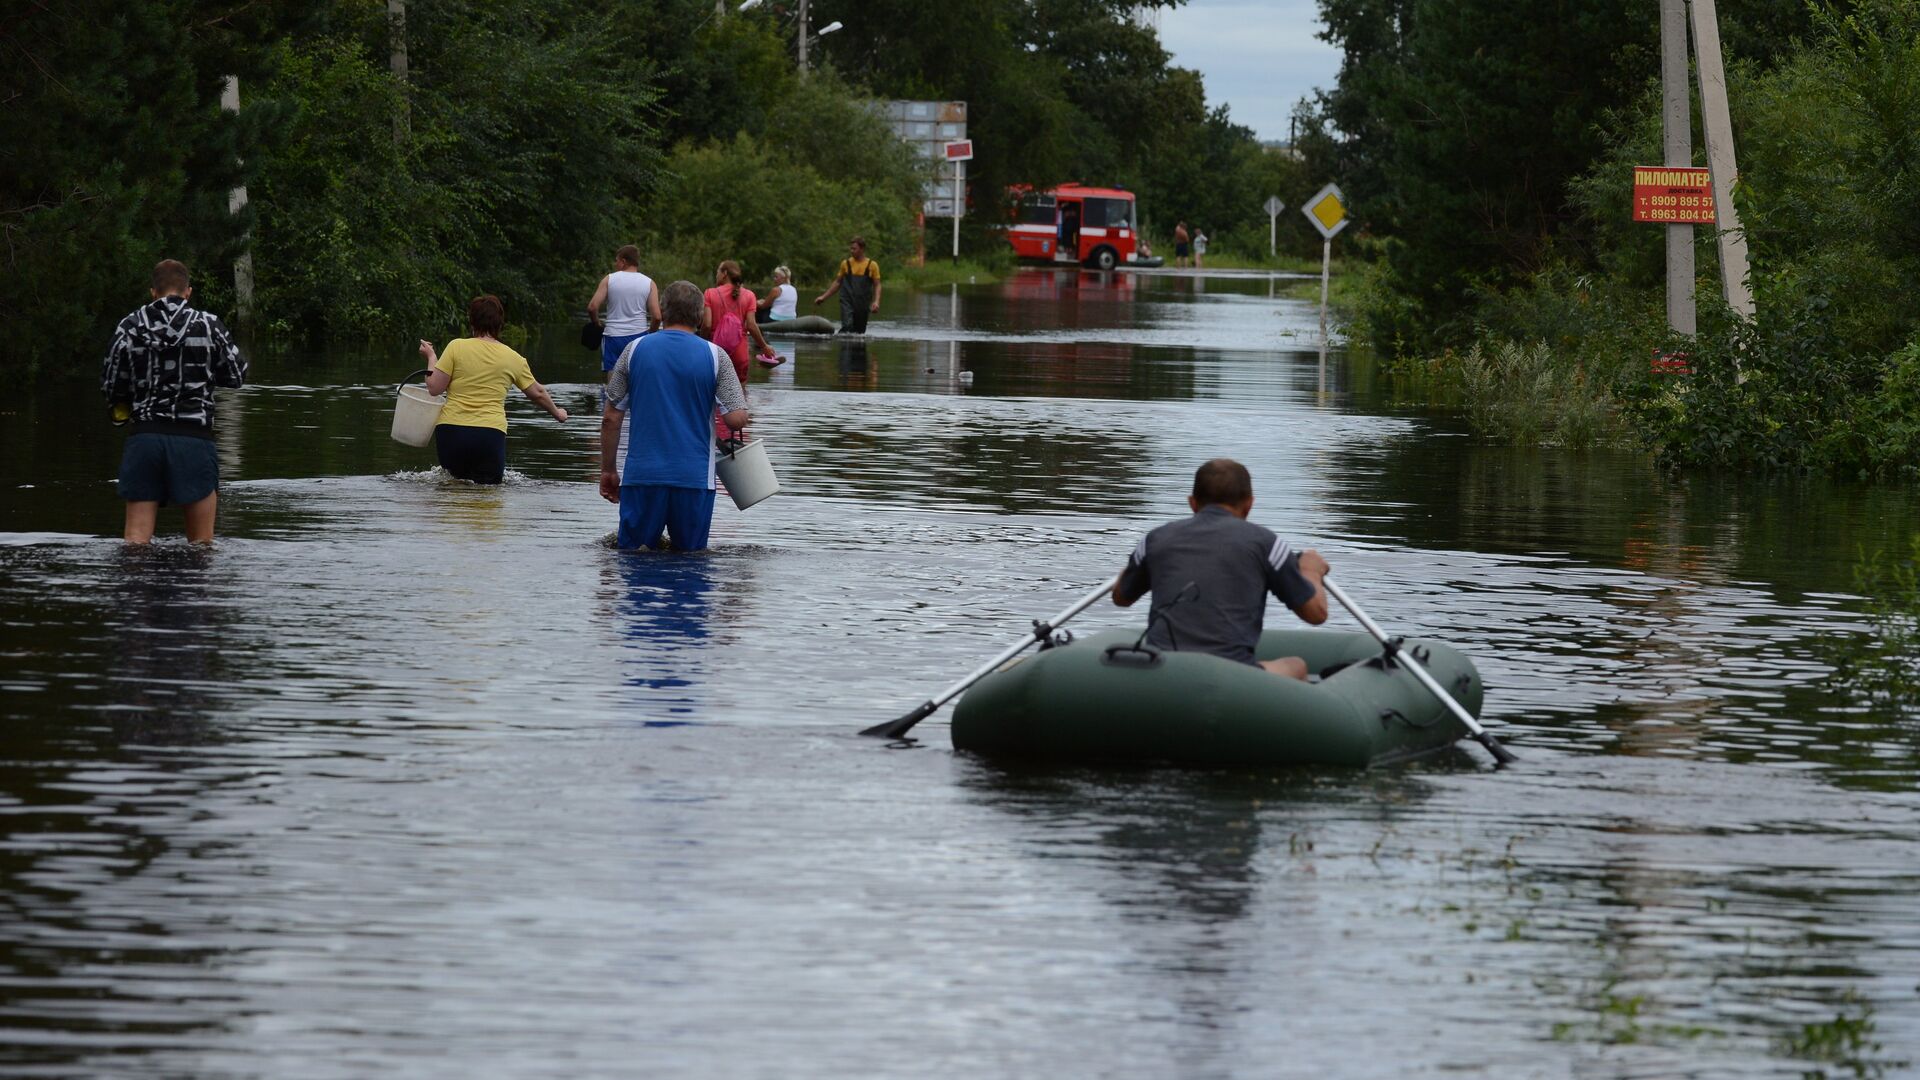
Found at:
(1111, 213)
(1036, 210)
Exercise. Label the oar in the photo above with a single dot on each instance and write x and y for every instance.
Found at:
(1480, 735)
(893, 729)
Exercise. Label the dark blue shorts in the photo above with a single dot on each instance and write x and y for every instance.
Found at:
(478, 454)
(611, 347)
(175, 470)
(646, 509)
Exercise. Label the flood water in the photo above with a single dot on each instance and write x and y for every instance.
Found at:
(407, 777)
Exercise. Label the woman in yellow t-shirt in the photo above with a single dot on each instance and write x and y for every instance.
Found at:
(474, 373)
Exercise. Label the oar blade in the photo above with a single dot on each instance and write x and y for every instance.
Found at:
(894, 729)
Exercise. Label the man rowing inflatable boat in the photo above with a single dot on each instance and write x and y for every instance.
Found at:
(1210, 575)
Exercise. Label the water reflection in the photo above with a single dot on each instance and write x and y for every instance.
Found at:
(470, 510)
(856, 369)
(1649, 613)
(672, 609)
(102, 777)
(954, 458)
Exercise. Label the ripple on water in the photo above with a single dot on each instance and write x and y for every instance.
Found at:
(409, 775)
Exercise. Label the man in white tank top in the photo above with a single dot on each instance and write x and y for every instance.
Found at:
(632, 303)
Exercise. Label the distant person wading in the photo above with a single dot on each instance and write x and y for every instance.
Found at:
(858, 283)
(475, 373)
(672, 383)
(632, 304)
(727, 319)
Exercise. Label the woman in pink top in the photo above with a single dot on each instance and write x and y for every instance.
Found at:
(728, 321)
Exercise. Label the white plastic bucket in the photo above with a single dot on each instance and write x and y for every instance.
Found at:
(748, 474)
(415, 413)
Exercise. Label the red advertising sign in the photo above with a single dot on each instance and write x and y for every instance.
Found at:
(1670, 195)
(960, 151)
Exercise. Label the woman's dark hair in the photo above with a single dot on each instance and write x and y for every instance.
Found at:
(731, 271)
(1222, 482)
(486, 315)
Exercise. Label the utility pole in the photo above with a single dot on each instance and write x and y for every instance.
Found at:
(1718, 128)
(1676, 127)
(397, 63)
(237, 202)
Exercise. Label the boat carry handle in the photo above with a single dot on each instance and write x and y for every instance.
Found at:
(1138, 656)
(1389, 715)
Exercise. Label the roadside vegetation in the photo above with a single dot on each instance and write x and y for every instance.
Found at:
(530, 138)
(1507, 278)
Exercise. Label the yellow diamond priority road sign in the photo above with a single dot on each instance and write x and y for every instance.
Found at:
(1327, 210)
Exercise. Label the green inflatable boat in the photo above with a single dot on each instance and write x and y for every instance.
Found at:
(1102, 699)
(804, 326)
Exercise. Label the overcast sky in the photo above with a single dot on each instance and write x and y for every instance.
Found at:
(1258, 56)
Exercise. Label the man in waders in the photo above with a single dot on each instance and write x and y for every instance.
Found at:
(1210, 575)
(858, 284)
(160, 372)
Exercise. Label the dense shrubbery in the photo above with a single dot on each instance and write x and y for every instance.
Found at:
(364, 231)
(113, 152)
(538, 136)
(1827, 376)
(828, 167)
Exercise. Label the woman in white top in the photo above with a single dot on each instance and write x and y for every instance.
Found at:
(632, 303)
(783, 300)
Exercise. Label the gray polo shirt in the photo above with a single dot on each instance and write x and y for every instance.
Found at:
(1233, 565)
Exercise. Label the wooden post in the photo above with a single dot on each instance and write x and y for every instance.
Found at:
(397, 64)
(1676, 126)
(1718, 129)
(236, 202)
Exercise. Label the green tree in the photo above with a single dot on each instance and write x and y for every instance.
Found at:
(114, 153)
(1462, 122)
(527, 144)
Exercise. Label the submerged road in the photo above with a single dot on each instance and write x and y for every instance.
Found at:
(412, 778)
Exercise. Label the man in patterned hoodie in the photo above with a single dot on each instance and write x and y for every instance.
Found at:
(160, 372)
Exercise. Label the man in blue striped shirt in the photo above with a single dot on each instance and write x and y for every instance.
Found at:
(673, 383)
(1210, 575)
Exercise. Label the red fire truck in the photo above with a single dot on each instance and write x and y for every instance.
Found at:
(1074, 223)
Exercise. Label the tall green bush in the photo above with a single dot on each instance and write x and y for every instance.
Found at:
(524, 142)
(748, 202)
(114, 153)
